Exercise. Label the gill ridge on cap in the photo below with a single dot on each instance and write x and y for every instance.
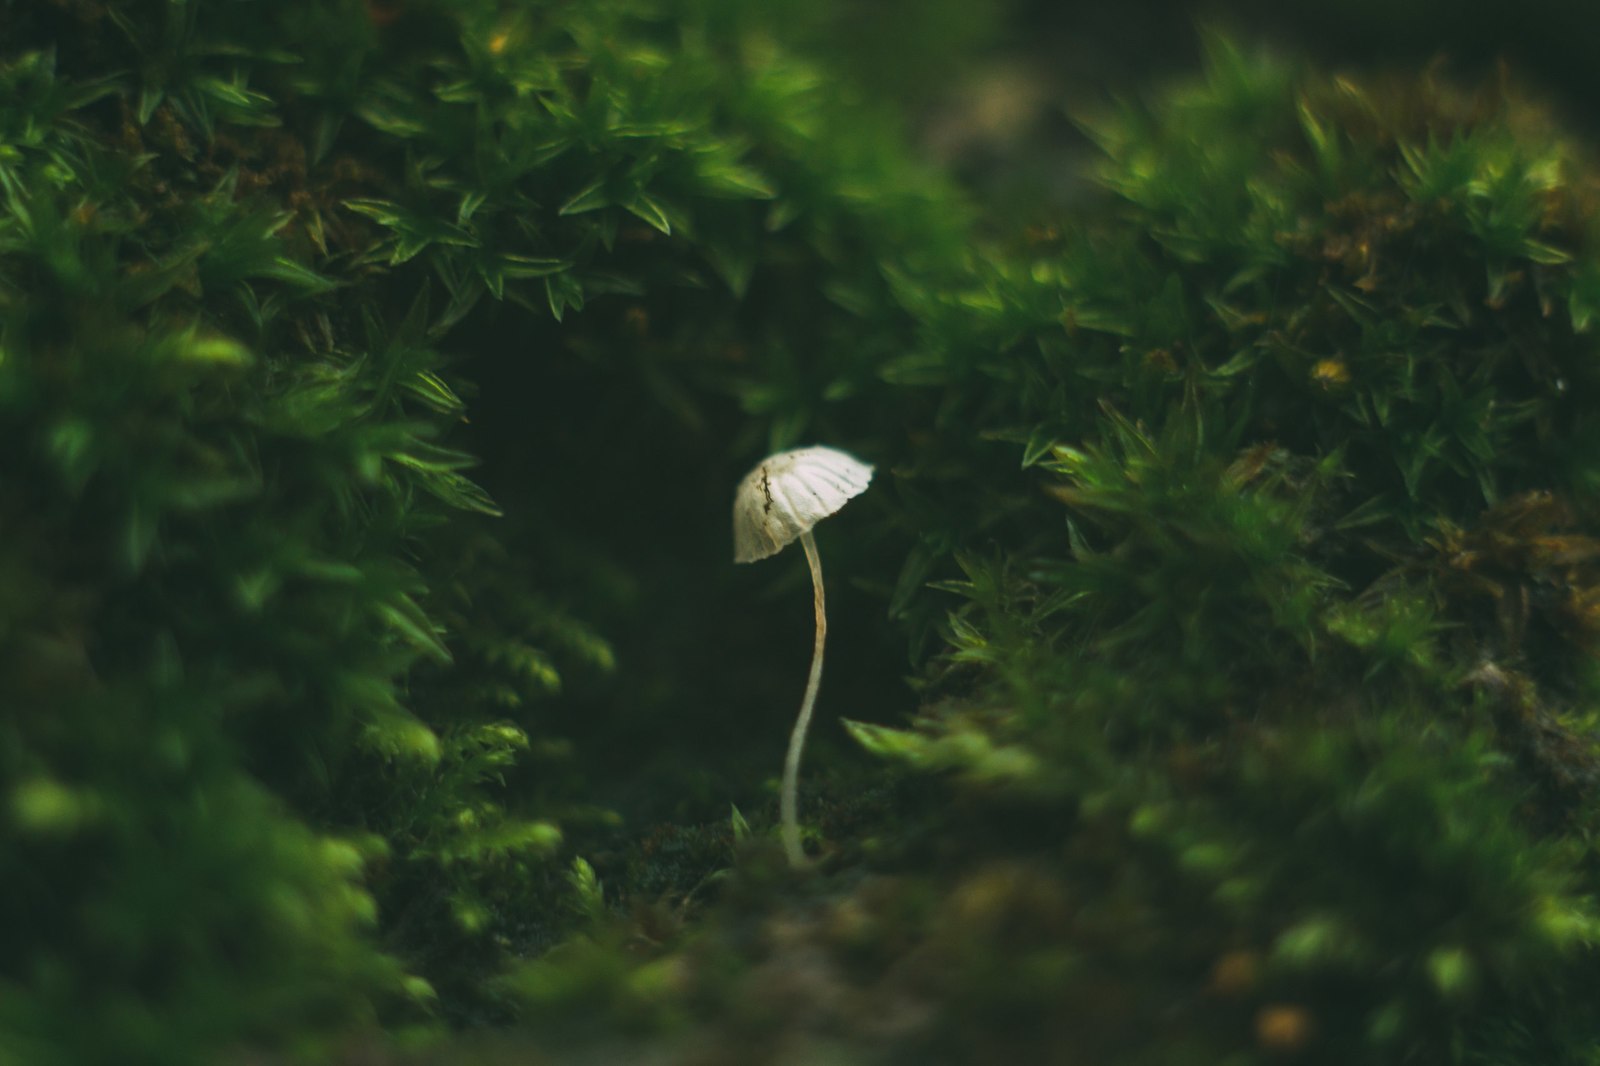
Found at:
(786, 494)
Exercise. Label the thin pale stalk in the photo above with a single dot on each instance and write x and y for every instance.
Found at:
(788, 800)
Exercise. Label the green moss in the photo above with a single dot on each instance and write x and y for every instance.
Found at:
(374, 379)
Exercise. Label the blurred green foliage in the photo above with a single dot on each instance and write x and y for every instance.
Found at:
(374, 378)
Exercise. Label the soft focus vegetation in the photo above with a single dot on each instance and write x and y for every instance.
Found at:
(1215, 647)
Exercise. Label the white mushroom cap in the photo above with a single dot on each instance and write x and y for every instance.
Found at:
(788, 493)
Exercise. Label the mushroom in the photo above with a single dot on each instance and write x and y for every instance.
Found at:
(777, 502)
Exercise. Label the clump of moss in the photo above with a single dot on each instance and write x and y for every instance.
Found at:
(1244, 526)
(290, 696)
(1264, 715)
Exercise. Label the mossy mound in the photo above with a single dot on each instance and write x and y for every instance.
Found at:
(1265, 726)
(375, 379)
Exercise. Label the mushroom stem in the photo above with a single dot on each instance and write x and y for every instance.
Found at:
(788, 800)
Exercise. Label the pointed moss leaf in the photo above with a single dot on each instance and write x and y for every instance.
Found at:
(493, 279)
(561, 292)
(586, 887)
(1548, 254)
(397, 734)
(464, 296)
(245, 107)
(1241, 362)
(645, 207)
(460, 91)
(1040, 443)
(592, 197)
(411, 232)
(330, 570)
(408, 618)
(383, 212)
(431, 458)
(470, 202)
(732, 180)
(740, 827)
(432, 390)
(527, 266)
(287, 270)
(1373, 511)
(652, 130)
(150, 97)
(420, 991)
(902, 745)
(461, 492)
(391, 117)
(1103, 320)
